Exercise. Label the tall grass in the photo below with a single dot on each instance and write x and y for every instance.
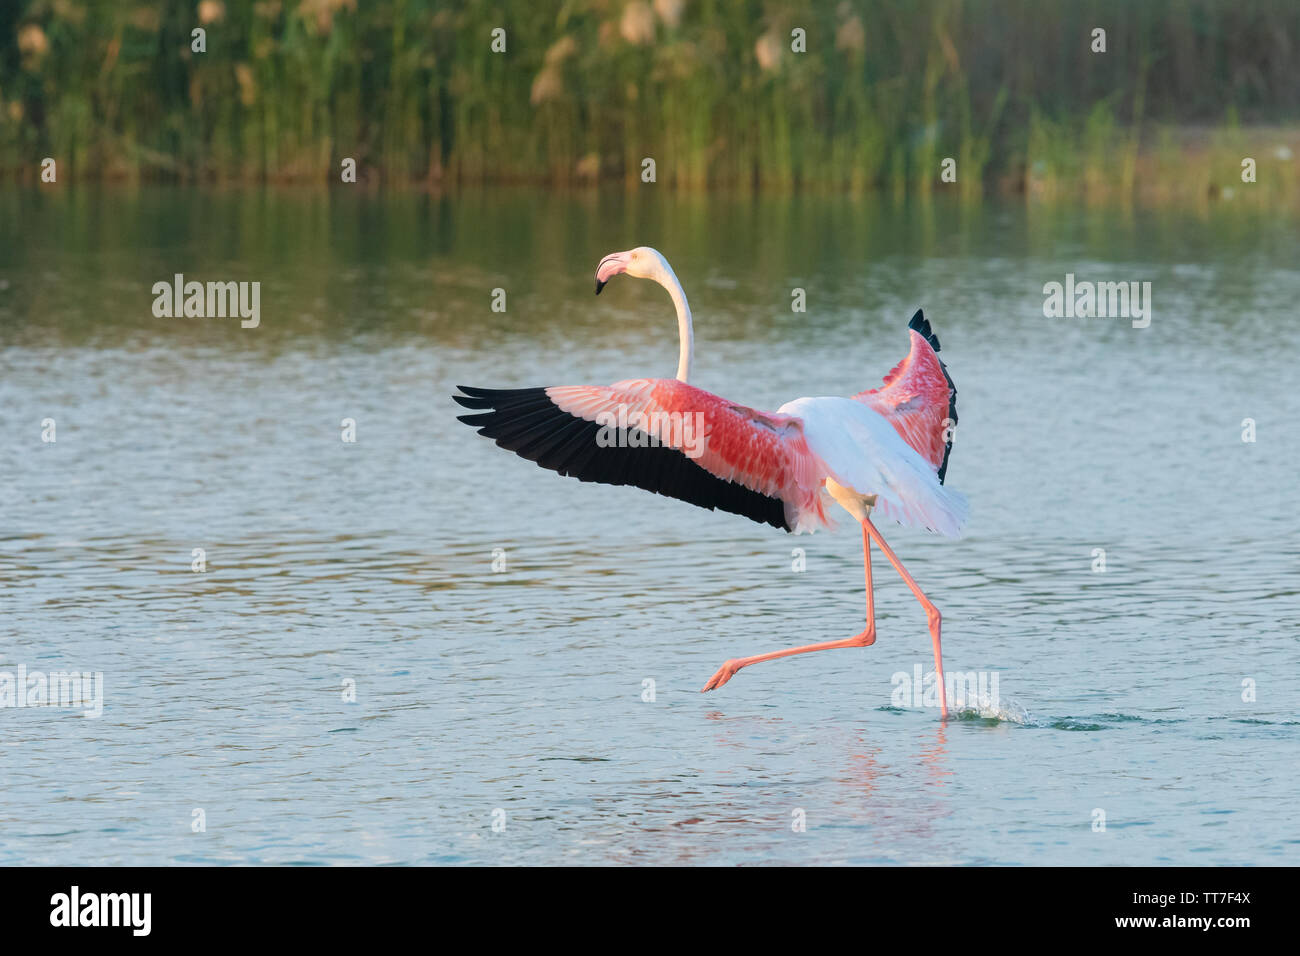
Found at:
(587, 89)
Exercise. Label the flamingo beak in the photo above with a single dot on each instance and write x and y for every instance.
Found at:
(610, 266)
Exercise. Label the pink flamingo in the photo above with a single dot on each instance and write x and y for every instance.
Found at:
(885, 449)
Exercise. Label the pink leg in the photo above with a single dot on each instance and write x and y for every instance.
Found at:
(865, 639)
(931, 612)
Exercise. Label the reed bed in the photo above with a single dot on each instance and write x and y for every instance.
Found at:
(715, 92)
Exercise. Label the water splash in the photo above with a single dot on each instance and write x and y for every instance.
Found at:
(991, 709)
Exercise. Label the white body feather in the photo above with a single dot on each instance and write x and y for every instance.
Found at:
(865, 457)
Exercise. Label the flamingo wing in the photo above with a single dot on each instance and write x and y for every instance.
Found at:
(919, 398)
(664, 436)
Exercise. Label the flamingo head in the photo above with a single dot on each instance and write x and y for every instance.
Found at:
(641, 263)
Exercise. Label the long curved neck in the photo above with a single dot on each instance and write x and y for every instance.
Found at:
(685, 332)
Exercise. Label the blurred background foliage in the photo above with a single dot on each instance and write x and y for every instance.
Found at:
(413, 91)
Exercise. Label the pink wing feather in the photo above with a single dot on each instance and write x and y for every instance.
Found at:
(763, 451)
(919, 399)
(707, 451)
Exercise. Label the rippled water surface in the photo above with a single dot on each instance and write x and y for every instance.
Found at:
(517, 695)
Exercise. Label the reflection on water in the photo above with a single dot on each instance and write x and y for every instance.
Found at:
(330, 562)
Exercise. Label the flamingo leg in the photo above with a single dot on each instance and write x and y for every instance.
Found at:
(865, 639)
(931, 612)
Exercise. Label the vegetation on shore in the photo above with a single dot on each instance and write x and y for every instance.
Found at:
(850, 96)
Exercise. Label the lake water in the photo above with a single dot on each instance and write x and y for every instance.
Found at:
(1162, 692)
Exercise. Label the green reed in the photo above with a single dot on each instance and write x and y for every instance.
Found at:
(711, 90)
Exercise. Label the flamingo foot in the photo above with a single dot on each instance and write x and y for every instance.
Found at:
(722, 675)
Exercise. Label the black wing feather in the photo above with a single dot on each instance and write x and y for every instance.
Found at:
(527, 422)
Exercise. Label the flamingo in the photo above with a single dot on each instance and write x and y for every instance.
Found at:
(882, 450)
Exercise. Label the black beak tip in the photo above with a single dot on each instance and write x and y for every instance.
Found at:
(599, 285)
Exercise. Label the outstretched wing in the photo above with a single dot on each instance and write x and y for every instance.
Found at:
(919, 398)
(664, 436)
